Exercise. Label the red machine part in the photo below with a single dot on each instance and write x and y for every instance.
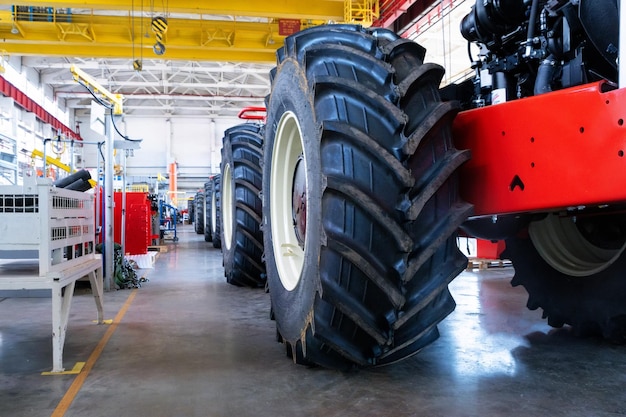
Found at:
(548, 152)
(252, 113)
(138, 222)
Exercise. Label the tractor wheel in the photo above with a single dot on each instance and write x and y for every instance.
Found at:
(242, 238)
(216, 218)
(360, 199)
(199, 213)
(574, 270)
(208, 194)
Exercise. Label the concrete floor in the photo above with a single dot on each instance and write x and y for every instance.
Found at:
(192, 345)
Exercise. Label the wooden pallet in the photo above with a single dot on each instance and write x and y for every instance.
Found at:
(157, 248)
(482, 264)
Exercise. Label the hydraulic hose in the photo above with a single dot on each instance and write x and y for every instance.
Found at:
(545, 73)
(534, 10)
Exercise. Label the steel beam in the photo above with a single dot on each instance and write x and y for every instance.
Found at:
(292, 9)
(124, 37)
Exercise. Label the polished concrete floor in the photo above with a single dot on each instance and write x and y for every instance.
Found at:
(190, 344)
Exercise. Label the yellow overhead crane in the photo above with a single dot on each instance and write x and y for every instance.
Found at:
(209, 30)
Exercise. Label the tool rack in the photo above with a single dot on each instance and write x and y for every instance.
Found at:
(47, 241)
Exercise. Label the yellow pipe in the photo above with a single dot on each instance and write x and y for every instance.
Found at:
(51, 161)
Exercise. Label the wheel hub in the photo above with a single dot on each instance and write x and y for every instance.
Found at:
(299, 201)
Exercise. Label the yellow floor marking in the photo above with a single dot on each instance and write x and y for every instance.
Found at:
(75, 370)
(72, 391)
(107, 321)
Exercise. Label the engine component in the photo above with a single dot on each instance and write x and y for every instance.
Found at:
(530, 47)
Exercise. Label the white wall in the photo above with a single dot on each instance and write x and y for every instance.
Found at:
(193, 143)
(22, 127)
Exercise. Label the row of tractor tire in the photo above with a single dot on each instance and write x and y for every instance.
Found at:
(345, 204)
(331, 203)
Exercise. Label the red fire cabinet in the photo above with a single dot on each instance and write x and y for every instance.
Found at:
(138, 222)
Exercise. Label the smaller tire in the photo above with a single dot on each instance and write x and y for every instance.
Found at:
(199, 213)
(208, 194)
(216, 218)
(573, 271)
(241, 208)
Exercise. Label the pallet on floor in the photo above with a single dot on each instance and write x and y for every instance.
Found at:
(157, 248)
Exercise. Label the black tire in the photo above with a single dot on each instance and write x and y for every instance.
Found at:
(242, 238)
(216, 217)
(364, 280)
(591, 303)
(191, 203)
(199, 213)
(208, 194)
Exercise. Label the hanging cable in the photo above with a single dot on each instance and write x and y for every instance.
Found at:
(95, 97)
(120, 133)
(100, 144)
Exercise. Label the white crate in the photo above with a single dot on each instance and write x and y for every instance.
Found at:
(55, 228)
(58, 224)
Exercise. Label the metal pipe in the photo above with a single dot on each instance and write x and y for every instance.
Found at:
(123, 226)
(72, 155)
(108, 214)
(45, 143)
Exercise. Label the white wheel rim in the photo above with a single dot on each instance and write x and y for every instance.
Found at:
(227, 205)
(213, 210)
(563, 247)
(287, 151)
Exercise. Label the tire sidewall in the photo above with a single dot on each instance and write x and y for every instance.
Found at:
(293, 309)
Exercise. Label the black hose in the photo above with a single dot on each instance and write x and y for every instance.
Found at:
(545, 73)
(534, 11)
(70, 179)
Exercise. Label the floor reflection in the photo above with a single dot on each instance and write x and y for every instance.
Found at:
(489, 324)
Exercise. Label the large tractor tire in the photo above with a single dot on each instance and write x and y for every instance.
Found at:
(360, 199)
(242, 237)
(573, 268)
(208, 194)
(216, 217)
(199, 213)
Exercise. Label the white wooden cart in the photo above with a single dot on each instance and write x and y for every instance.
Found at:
(47, 241)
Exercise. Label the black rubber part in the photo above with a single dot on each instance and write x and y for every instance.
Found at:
(216, 219)
(383, 205)
(208, 194)
(243, 255)
(592, 305)
(191, 210)
(199, 213)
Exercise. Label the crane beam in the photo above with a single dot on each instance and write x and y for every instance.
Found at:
(106, 36)
(332, 10)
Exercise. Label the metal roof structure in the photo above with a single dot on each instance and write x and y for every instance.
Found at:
(216, 56)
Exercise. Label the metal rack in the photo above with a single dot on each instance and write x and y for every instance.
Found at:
(167, 222)
(47, 241)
